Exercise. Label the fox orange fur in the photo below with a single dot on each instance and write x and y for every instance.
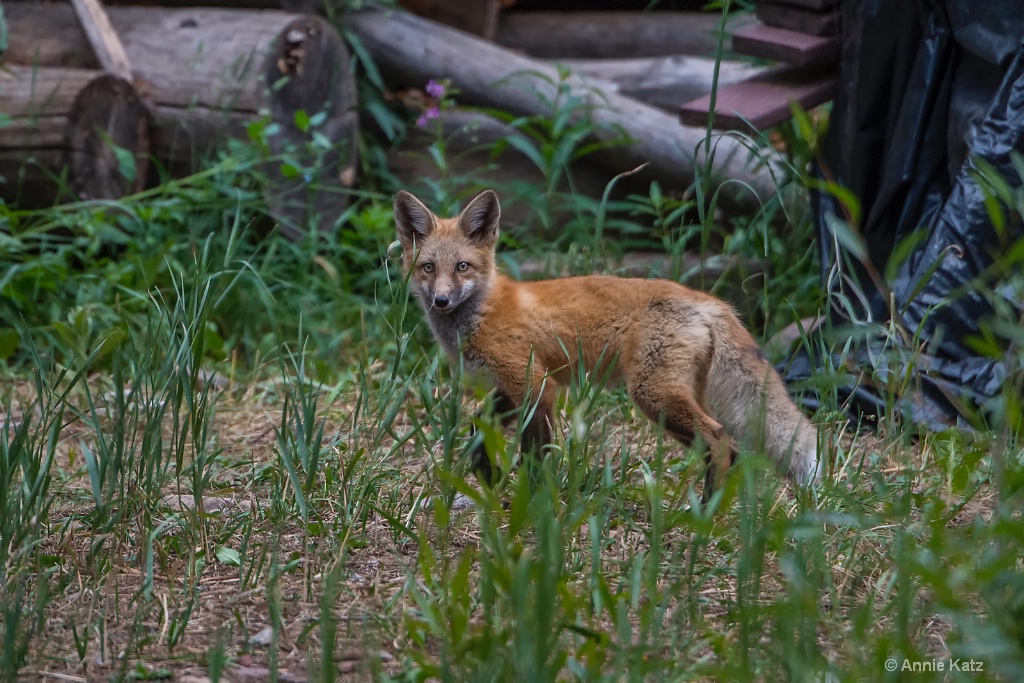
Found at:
(685, 358)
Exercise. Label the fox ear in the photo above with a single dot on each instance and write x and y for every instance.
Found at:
(479, 220)
(413, 219)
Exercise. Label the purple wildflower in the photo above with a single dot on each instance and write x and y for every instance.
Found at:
(430, 113)
(435, 89)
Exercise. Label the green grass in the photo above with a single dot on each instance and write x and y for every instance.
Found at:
(223, 449)
(330, 521)
(156, 516)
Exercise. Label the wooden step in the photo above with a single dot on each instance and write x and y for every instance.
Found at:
(779, 44)
(811, 22)
(763, 101)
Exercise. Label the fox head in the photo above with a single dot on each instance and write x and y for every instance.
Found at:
(449, 260)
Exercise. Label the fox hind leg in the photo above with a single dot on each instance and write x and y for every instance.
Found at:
(683, 418)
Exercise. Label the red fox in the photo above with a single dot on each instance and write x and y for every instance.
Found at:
(687, 361)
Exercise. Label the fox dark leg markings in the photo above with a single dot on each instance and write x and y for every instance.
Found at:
(483, 462)
(536, 435)
(713, 475)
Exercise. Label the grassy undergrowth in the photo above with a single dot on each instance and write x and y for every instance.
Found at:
(225, 455)
(225, 452)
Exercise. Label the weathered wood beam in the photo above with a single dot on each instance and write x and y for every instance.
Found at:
(103, 38)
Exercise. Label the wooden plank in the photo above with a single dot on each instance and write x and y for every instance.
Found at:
(479, 17)
(103, 38)
(763, 101)
(811, 22)
(781, 45)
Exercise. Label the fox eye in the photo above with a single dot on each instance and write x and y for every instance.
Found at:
(428, 267)
(462, 266)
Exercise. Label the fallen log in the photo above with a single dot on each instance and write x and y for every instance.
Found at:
(615, 35)
(479, 17)
(54, 40)
(663, 82)
(73, 130)
(411, 50)
(470, 139)
(586, 34)
(209, 73)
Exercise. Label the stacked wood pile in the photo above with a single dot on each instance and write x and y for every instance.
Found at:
(802, 34)
(195, 78)
(187, 78)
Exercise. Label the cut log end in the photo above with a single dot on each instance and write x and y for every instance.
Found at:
(107, 139)
(311, 92)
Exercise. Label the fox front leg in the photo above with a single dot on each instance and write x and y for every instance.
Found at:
(536, 434)
(483, 462)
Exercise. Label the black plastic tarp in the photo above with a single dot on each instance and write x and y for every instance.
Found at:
(930, 93)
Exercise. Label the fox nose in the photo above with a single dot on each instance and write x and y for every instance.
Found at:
(441, 301)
